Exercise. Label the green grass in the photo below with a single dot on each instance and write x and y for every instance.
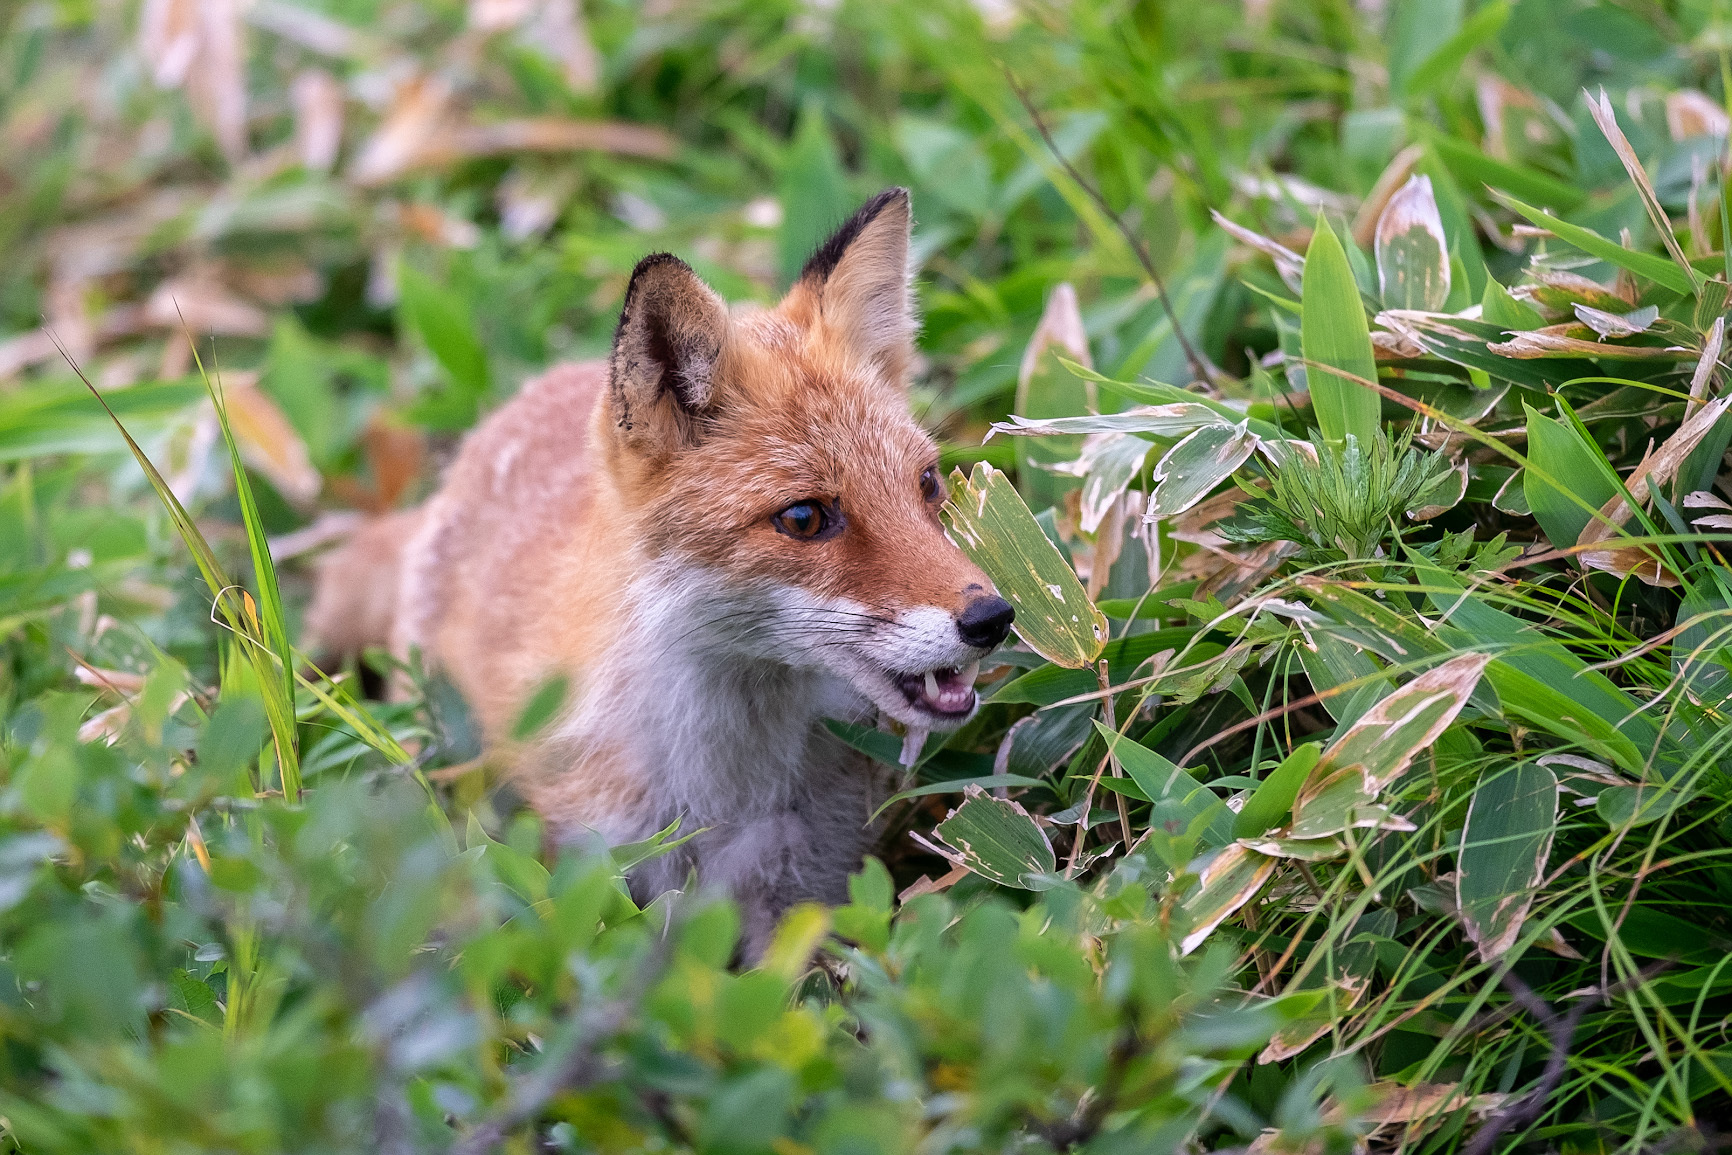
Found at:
(1391, 806)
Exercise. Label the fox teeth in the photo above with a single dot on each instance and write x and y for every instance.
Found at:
(969, 673)
(932, 685)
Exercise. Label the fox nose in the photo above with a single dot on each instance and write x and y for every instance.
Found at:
(984, 622)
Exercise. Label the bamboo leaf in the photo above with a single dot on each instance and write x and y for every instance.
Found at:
(1335, 334)
(1566, 478)
(1656, 269)
(1054, 616)
(1193, 467)
(1412, 252)
(1504, 845)
(997, 839)
(1230, 879)
(1272, 801)
(1361, 762)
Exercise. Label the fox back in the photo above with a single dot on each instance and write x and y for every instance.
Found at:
(722, 536)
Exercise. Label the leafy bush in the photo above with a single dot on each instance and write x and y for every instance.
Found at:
(1380, 796)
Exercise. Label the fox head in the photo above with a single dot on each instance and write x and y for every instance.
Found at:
(769, 457)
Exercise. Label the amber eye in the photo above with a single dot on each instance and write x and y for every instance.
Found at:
(930, 487)
(803, 519)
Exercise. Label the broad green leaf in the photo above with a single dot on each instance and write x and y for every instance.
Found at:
(442, 320)
(1621, 806)
(1052, 400)
(1227, 882)
(1475, 168)
(1498, 308)
(1272, 801)
(1444, 64)
(1054, 616)
(1510, 823)
(1331, 662)
(1656, 269)
(1566, 480)
(813, 190)
(1335, 334)
(998, 840)
(1196, 465)
(1412, 252)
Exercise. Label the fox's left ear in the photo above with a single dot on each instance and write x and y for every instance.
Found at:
(862, 283)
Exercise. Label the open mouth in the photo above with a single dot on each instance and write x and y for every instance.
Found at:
(946, 692)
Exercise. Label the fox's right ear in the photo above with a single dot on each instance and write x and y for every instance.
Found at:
(665, 350)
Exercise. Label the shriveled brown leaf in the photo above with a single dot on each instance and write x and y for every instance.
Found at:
(1656, 468)
(1601, 110)
(1692, 113)
(199, 302)
(318, 103)
(414, 119)
(267, 441)
(1395, 175)
(1574, 341)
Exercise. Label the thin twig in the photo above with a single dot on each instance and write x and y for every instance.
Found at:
(1562, 1029)
(1200, 367)
(1118, 771)
(582, 1065)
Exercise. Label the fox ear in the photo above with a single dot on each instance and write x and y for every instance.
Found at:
(862, 281)
(665, 350)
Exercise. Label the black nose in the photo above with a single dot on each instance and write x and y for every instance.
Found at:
(985, 622)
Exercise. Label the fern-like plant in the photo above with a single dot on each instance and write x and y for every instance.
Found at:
(1339, 502)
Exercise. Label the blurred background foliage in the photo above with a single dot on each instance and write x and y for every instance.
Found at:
(1397, 818)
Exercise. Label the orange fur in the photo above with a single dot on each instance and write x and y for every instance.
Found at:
(616, 524)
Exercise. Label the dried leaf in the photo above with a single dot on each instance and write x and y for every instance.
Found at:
(1601, 111)
(1288, 264)
(200, 303)
(1691, 113)
(1563, 341)
(1657, 468)
(318, 103)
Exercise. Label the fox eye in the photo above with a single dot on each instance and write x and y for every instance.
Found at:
(930, 487)
(803, 519)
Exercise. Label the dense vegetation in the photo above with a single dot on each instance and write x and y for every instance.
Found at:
(1380, 798)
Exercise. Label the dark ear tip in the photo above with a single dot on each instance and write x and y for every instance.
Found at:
(650, 264)
(823, 262)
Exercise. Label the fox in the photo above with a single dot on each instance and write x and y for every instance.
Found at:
(722, 535)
